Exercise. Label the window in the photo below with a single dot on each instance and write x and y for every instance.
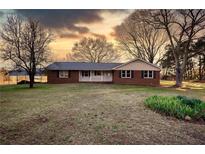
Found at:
(63, 74)
(145, 74)
(85, 73)
(125, 73)
(97, 73)
(148, 74)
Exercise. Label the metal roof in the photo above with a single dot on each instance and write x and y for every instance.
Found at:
(81, 66)
(22, 72)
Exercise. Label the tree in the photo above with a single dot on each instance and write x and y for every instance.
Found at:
(140, 39)
(167, 63)
(195, 67)
(94, 50)
(201, 67)
(199, 48)
(25, 44)
(182, 28)
(4, 75)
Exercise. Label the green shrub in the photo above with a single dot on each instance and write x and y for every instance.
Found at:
(189, 102)
(179, 106)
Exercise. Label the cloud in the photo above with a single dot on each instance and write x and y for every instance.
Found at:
(69, 19)
(65, 23)
(113, 34)
(115, 31)
(69, 35)
(98, 35)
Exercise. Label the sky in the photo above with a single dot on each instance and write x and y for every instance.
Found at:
(69, 26)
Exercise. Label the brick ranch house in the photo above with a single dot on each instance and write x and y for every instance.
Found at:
(137, 72)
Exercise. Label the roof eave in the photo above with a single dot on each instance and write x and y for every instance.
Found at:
(136, 60)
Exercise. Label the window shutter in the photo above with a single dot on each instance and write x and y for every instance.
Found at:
(57, 74)
(142, 74)
(154, 74)
(69, 73)
(132, 74)
(120, 74)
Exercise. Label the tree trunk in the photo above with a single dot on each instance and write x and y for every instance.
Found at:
(179, 76)
(180, 69)
(178, 79)
(200, 68)
(31, 77)
(203, 67)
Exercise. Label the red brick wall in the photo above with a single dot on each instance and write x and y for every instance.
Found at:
(74, 78)
(53, 77)
(136, 79)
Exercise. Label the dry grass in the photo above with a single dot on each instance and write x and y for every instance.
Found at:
(186, 84)
(91, 114)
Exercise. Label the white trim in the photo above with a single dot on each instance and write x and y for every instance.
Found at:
(137, 59)
(93, 78)
(148, 74)
(125, 74)
(97, 71)
(89, 73)
(63, 74)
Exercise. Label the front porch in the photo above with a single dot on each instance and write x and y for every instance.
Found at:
(95, 76)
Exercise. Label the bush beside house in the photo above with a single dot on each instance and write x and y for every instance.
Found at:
(180, 107)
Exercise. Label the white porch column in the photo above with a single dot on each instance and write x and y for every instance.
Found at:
(101, 75)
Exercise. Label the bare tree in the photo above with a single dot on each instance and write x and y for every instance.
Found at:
(25, 43)
(198, 52)
(182, 27)
(140, 39)
(195, 67)
(4, 75)
(94, 50)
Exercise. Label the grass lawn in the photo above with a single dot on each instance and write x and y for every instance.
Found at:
(93, 114)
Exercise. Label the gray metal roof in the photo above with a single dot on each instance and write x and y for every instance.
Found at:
(22, 72)
(81, 66)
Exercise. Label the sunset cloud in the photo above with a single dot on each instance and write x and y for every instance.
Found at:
(69, 35)
(98, 35)
(68, 19)
(69, 26)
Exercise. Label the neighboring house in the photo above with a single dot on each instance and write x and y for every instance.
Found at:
(137, 72)
(18, 75)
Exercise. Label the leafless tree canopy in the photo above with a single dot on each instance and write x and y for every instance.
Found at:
(140, 39)
(25, 43)
(182, 28)
(94, 50)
